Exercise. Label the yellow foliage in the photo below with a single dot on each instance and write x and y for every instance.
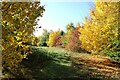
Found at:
(99, 30)
(52, 36)
(18, 20)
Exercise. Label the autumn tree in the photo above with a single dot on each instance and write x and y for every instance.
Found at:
(55, 38)
(58, 39)
(69, 27)
(101, 30)
(18, 21)
(74, 44)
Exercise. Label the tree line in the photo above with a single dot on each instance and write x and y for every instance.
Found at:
(99, 33)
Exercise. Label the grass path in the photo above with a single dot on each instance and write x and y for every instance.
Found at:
(60, 64)
(58, 67)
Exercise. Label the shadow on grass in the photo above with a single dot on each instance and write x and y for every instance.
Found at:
(42, 66)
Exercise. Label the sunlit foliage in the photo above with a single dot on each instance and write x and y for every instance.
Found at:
(18, 21)
(57, 41)
(70, 27)
(52, 38)
(101, 29)
(74, 42)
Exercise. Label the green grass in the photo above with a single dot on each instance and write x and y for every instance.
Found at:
(47, 63)
(59, 64)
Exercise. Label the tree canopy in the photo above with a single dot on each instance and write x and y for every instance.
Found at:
(18, 21)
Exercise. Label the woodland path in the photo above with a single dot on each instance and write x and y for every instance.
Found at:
(64, 65)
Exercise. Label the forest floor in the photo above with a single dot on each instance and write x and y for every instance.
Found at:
(59, 64)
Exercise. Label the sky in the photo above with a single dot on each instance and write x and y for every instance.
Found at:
(58, 14)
